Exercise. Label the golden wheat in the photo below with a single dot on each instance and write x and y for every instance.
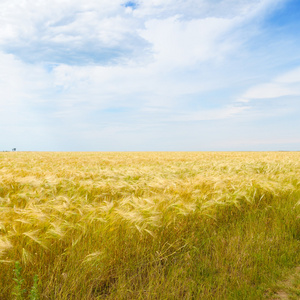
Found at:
(128, 225)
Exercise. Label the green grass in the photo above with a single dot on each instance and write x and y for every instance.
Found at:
(149, 225)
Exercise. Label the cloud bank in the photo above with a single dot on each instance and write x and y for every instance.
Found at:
(146, 75)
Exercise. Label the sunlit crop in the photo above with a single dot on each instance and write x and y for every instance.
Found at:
(186, 225)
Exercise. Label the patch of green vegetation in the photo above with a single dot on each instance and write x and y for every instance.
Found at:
(18, 293)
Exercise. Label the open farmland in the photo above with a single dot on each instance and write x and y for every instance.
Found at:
(177, 225)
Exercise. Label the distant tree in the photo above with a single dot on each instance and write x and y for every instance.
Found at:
(14, 149)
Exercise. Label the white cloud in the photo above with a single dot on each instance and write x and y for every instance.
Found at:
(292, 76)
(287, 84)
(193, 9)
(20, 82)
(271, 90)
(92, 31)
(80, 32)
(213, 114)
(179, 42)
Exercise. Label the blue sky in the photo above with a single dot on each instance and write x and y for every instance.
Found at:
(150, 75)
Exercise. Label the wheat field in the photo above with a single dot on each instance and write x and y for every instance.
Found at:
(149, 225)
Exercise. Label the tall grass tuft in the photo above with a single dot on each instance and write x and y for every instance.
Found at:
(34, 292)
(18, 291)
